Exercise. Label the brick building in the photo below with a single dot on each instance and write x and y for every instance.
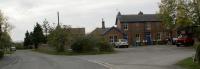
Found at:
(77, 32)
(141, 27)
(110, 33)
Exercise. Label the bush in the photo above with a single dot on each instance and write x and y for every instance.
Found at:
(1, 54)
(91, 44)
(105, 46)
(84, 44)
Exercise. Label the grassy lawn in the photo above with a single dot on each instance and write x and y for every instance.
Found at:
(188, 64)
(52, 52)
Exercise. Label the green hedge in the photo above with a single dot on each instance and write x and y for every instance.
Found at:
(90, 44)
(1, 54)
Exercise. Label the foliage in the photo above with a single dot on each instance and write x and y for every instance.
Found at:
(19, 45)
(89, 44)
(46, 28)
(59, 38)
(105, 46)
(167, 13)
(188, 64)
(1, 54)
(84, 45)
(175, 13)
(38, 36)
(27, 40)
(5, 39)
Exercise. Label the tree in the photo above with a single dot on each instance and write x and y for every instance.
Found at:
(46, 28)
(59, 38)
(183, 19)
(195, 15)
(167, 14)
(5, 40)
(27, 40)
(38, 36)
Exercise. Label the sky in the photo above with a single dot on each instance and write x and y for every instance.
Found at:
(23, 14)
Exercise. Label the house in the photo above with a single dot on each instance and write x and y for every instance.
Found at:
(77, 32)
(112, 34)
(141, 27)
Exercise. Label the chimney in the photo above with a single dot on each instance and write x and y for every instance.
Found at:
(140, 13)
(103, 24)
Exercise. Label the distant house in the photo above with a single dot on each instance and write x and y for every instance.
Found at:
(77, 32)
(141, 27)
(110, 33)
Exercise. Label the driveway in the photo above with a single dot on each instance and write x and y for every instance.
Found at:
(32, 60)
(148, 57)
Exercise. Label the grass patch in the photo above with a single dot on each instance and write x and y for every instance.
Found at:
(188, 64)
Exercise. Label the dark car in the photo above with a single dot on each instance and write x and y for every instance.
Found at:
(185, 41)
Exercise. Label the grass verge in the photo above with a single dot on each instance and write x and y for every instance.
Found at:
(188, 64)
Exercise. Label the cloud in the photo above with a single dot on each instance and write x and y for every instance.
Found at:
(23, 14)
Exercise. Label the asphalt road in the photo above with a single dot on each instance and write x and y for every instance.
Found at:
(150, 57)
(32, 60)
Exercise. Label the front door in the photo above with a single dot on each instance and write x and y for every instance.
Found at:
(148, 38)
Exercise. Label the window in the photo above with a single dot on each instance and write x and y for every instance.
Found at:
(126, 36)
(137, 37)
(158, 36)
(126, 26)
(113, 38)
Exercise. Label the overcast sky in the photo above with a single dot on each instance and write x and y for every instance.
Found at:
(24, 14)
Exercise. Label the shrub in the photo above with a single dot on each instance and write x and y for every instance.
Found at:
(90, 44)
(105, 46)
(1, 54)
(84, 44)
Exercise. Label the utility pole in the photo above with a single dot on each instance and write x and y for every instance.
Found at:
(58, 18)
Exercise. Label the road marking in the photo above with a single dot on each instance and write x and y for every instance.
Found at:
(107, 65)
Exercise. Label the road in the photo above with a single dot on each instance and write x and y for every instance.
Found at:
(146, 57)
(150, 57)
(32, 60)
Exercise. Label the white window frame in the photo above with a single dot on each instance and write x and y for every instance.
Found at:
(138, 37)
(125, 26)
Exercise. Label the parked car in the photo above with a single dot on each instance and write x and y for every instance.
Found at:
(13, 48)
(184, 40)
(121, 43)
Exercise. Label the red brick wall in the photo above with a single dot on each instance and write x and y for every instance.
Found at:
(113, 32)
(138, 28)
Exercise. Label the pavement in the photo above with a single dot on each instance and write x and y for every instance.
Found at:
(146, 57)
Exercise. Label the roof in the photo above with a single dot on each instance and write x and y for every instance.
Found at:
(102, 31)
(113, 28)
(138, 18)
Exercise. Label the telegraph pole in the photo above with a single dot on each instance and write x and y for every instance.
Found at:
(58, 18)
